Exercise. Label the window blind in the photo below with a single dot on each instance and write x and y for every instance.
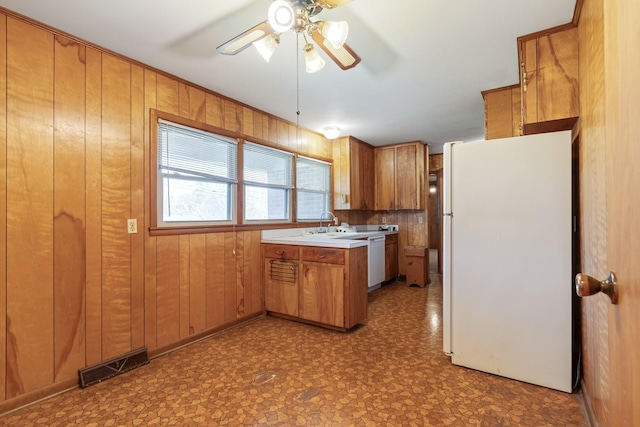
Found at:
(191, 152)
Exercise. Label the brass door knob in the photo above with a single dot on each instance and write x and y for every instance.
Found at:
(587, 285)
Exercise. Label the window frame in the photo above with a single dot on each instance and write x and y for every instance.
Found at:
(328, 193)
(151, 211)
(290, 190)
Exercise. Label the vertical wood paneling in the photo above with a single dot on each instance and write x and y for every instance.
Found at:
(168, 97)
(3, 205)
(247, 121)
(197, 105)
(232, 116)
(137, 205)
(197, 284)
(247, 272)
(257, 294)
(69, 209)
(283, 134)
(257, 124)
(215, 110)
(29, 219)
(116, 206)
(183, 97)
(168, 290)
(240, 278)
(93, 200)
(215, 279)
(230, 287)
(150, 312)
(185, 301)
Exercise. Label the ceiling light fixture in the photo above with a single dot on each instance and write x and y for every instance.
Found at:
(267, 45)
(312, 59)
(280, 16)
(296, 15)
(335, 32)
(331, 132)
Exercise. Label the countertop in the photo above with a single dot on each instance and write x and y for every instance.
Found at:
(331, 240)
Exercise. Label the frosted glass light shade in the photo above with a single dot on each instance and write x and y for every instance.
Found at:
(281, 16)
(335, 32)
(267, 45)
(331, 132)
(312, 59)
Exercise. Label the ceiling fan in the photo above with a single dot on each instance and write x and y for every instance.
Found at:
(295, 15)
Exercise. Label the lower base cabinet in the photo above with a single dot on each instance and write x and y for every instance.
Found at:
(324, 286)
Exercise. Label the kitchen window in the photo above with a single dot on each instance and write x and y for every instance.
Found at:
(268, 183)
(313, 185)
(197, 176)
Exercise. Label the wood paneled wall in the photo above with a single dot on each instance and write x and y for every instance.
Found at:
(75, 288)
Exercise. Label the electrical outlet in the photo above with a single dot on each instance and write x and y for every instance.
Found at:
(132, 226)
(384, 219)
(420, 219)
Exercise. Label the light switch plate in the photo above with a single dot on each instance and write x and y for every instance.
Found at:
(132, 226)
(420, 219)
(384, 219)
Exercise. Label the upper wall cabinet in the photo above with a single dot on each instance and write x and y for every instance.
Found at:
(352, 174)
(502, 112)
(399, 178)
(549, 79)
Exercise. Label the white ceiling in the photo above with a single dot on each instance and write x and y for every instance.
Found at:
(424, 62)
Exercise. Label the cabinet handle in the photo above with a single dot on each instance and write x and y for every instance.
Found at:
(321, 256)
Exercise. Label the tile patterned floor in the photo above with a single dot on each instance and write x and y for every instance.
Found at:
(388, 372)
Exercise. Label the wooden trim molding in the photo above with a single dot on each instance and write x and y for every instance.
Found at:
(577, 12)
(34, 397)
(546, 32)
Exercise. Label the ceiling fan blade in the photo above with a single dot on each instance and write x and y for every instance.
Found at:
(244, 40)
(332, 4)
(344, 57)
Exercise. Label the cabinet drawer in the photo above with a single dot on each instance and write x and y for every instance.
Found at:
(328, 255)
(281, 251)
(391, 239)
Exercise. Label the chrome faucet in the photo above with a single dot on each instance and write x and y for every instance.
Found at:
(322, 229)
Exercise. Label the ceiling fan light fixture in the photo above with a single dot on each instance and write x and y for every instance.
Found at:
(281, 16)
(266, 46)
(335, 32)
(331, 132)
(312, 59)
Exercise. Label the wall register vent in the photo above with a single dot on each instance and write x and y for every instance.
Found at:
(110, 368)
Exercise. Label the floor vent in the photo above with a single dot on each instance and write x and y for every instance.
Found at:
(110, 368)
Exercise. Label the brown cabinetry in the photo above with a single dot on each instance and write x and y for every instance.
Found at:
(399, 178)
(502, 112)
(281, 270)
(390, 257)
(353, 174)
(549, 79)
(330, 289)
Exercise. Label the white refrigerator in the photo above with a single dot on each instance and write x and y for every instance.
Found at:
(507, 281)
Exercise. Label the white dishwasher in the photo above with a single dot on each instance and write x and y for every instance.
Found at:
(376, 261)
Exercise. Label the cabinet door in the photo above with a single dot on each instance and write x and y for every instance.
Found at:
(322, 297)
(391, 258)
(385, 167)
(362, 178)
(408, 186)
(281, 286)
(498, 120)
(549, 69)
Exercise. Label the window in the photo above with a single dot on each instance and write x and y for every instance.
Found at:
(268, 181)
(197, 176)
(313, 188)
